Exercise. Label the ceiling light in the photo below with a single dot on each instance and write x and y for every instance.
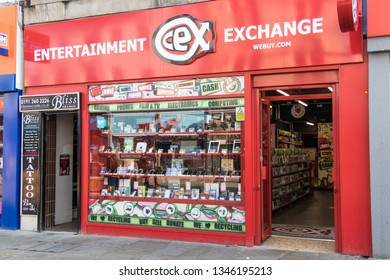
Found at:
(302, 103)
(283, 92)
(310, 123)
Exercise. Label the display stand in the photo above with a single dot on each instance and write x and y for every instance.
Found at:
(290, 176)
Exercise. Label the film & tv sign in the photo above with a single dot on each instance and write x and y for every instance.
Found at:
(213, 38)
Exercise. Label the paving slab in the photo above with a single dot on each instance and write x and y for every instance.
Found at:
(68, 246)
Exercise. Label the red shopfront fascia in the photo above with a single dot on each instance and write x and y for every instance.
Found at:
(248, 35)
(377, 17)
(228, 36)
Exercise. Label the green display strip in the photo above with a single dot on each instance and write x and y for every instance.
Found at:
(176, 224)
(168, 105)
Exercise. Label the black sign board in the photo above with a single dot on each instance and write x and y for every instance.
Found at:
(50, 102)
(30, 164)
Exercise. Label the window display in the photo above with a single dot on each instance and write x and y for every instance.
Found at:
(175, 155)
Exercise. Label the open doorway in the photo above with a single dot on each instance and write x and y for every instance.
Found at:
(60, 178)
(301, 162)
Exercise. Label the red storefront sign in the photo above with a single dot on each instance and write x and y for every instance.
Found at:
(204, 38)
(378, 18)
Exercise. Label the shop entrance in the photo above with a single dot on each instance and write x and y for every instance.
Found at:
(297, 159)
(60, 192)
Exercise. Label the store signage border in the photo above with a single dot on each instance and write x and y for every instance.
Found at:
(50, 102)
(168, 105)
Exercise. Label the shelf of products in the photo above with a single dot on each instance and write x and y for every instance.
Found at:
(186, 156)
(287, 139)
(325, 156)
(290, 176)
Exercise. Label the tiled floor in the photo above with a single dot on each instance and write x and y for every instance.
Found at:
(313, 210)
(66, 227)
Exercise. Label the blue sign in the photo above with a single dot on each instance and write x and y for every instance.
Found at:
(3, 44)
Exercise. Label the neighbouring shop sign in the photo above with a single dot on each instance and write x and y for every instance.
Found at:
(168, 105)
(3, 44)
(50, 102)
(30, 164)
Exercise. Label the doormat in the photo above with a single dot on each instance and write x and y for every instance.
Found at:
(303, 231)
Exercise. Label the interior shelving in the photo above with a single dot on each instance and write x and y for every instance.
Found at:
(139, 156)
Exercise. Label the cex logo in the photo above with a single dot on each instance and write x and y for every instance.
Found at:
(182, 39)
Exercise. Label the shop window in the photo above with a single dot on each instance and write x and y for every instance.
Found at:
(187, 158)
(186, 155)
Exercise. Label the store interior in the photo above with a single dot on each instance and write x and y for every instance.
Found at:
(301, 134)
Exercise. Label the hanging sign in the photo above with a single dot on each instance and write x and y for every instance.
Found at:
(298, 111)
(348, 14)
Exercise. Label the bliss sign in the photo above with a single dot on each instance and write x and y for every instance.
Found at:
(182, 39)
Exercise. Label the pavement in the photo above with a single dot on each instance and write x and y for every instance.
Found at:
(23, 245)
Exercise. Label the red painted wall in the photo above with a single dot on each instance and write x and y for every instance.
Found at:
(355, 207)
(378, 20)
